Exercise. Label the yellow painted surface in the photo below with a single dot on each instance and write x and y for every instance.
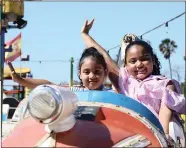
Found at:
(7, 72)
(27, 91)
(183, 116)
(15, 6)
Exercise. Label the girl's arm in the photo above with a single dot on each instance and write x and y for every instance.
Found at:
(113, 69)
(31, 83)
(27, 82)
(165, 114)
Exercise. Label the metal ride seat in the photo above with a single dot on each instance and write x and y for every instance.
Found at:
(120, 101)
(103, 105)
(88, 111)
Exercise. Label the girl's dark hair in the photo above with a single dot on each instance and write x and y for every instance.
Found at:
(148, 49)
(156, 66)
(93, 53)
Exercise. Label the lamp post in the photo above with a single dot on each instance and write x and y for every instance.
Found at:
(2, 60)
(12, 11)
(71, 71)
(3, 50)
(185, 76)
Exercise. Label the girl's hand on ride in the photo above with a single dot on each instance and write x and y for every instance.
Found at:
(14, 75)
(87, 26)
(170, 140)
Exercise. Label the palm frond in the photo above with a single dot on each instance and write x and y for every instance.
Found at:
(167, 47)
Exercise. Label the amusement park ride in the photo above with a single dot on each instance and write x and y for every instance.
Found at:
(97, 119)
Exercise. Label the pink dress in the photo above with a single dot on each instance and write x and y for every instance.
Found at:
(152, 91)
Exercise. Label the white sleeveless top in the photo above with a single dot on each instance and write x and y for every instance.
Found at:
(76, 88)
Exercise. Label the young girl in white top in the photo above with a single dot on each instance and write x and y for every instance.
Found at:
(92, 72)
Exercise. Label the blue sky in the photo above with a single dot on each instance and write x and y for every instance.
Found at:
(53, 32)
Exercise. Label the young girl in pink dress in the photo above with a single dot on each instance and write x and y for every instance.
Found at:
(140, 79)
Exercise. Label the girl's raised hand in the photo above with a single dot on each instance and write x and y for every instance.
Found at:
(12, 70)
(87, 26)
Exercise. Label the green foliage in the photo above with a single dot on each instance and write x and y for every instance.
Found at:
(183, 88)
(167, 47)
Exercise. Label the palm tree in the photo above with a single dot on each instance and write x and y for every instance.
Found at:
(167, 47)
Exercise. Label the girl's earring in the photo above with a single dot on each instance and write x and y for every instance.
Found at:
(81, 83)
